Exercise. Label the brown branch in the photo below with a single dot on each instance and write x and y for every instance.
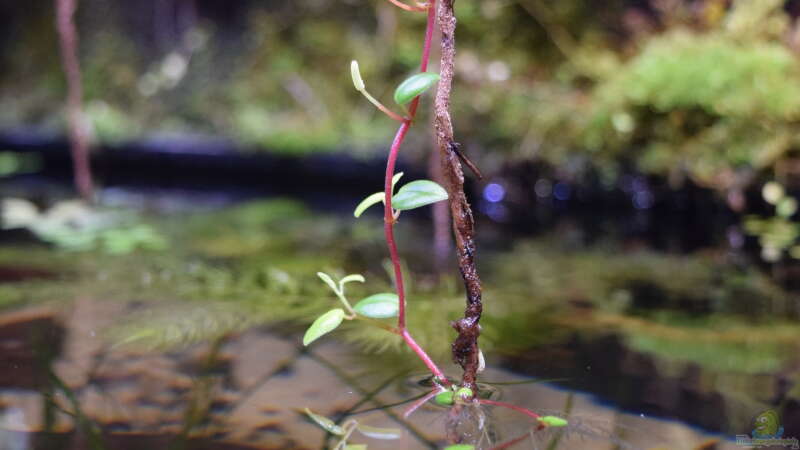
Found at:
(78, 135)
(465, 348)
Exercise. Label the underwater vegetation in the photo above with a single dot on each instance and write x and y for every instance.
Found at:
(255, 264)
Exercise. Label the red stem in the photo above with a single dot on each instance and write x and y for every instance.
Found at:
(388, 216)
(516, 408)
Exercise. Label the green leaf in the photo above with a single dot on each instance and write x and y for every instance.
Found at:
(379, 433)
(375, 198)
(358, 82)
(355, 447)
(378, 306)
(327, 424)
(413, 86)
(328, 280)
(396, 178)
(352, 277)
(367, 202)
(553, 421)
(460, 447)
(445, 398)
(323, 325)
(465, 393)
(418, 193)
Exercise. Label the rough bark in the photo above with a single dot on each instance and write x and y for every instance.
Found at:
(78, 134)
(465, 348)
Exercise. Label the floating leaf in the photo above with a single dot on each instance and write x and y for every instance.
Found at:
(460, 447)
(323, 325)
(328, 280)
(379, 433)
(418, 193)
(327, 424)
(378, 306)
(367, 202)
(358, 82)
(553, 421)
(445, 398)
(413, 86)
(465, 393)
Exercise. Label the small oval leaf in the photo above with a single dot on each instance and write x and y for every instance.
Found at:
(418, 193)
(323, 325)
(352, 277)
(553, 421)
(356, 75)
(378, 306)
(367, 202)
(413, 86)
(328, 280)
(445, 398)
(396, 178)
(327, 424)
(379, 433)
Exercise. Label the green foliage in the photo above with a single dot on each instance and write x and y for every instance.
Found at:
(378, 306)
(73, 226)
(415, 194)
(778, 233)
(13, 163)
(323, 325)
(375, 198)
(445, 398)
(414, 86)
(464, 393)
(326, 424)
(553, 421)
(347, 429)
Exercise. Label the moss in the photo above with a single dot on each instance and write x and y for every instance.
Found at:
(722, 344)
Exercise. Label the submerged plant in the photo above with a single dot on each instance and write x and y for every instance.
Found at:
(457, 396)
(74, 226)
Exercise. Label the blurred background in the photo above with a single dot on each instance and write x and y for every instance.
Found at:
(637, 221)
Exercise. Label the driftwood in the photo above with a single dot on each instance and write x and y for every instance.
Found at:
(465, 348)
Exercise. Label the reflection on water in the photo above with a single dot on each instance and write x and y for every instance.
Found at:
(249, 389)
(198, 346)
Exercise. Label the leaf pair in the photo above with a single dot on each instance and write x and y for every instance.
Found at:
(405, 92)
(376, 306)
(412, 195)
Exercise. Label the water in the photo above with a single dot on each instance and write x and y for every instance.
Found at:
(248, 391)
(198, 345)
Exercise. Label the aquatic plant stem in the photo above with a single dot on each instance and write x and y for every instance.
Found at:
(78, 135)
(516, 408)
(465, 348)
(388, 212)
